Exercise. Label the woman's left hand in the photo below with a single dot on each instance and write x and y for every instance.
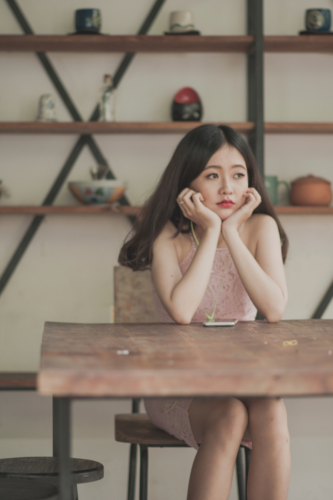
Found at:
(252, 201)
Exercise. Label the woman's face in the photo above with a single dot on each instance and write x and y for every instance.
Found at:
(223, 182)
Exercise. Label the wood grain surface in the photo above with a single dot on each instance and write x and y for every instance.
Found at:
(248, 359)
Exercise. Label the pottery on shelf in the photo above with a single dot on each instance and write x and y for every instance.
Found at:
(311, 191)
(186, 106)
(98, 192)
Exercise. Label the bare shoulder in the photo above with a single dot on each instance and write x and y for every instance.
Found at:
(166, 239)
(258, 227)
(259, 223)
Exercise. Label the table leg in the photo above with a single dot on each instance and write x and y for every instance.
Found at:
(61, 444)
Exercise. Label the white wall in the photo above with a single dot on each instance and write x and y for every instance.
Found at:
(66, 273)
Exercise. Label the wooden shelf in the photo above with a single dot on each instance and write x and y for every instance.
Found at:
(162, 43)
(110, 127)
(71, 210)
(298, 128)
(124, 210)
(154, 127)
(299, 43)
(138, 43)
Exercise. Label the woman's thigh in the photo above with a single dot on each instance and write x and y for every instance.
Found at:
(207, 412)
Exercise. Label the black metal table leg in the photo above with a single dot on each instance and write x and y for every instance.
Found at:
(62, 432)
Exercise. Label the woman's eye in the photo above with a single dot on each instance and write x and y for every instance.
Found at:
(239, 176)
(212, 176)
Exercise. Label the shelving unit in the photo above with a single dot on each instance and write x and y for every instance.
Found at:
(253, 45)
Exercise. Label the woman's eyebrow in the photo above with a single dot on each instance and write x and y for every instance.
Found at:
(218, 166)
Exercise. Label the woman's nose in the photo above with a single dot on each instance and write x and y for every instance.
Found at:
(226, 187)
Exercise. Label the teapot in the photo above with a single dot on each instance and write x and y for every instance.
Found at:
(311, 191)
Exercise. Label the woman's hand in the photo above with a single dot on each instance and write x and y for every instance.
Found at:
(190, 203)
(253, 200)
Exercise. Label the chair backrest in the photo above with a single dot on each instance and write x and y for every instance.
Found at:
(133, 296)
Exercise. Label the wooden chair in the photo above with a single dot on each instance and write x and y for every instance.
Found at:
(133, 299)
(13, 489)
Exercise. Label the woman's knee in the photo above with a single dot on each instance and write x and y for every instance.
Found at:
(227, 416)
(268, 418)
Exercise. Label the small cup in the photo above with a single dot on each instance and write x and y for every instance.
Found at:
(46, 109)
(181, 21)
(88, 20)
(272, 187)
(318, 20)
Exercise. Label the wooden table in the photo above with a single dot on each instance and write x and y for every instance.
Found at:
(134, 360)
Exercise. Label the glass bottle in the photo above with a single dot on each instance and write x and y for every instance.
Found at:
(107, 101)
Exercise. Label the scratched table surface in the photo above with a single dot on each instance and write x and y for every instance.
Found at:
(253, 358)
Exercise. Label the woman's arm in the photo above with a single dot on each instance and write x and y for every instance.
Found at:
(181, 295)
(263, 275)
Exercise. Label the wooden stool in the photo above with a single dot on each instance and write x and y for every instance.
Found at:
(137, 429)
(46, 470)
(13, 489)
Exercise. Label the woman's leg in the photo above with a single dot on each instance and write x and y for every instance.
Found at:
(269, 471)
(219, 425)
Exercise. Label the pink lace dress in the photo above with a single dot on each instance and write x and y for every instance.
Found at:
(172, 414)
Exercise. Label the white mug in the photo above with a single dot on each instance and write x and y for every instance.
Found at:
(181, 20)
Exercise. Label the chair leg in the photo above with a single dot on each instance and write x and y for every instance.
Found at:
(241, 474)
(75, 492)
(132, 472)
(132, 457)
(143, 473)
(247, 461)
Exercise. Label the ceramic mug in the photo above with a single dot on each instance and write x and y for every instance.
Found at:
(272, 187)
(318, 20)
(181, 21)
(88, 20)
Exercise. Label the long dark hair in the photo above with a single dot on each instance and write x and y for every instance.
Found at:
(188, 161)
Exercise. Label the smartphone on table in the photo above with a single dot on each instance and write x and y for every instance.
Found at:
(222, 322)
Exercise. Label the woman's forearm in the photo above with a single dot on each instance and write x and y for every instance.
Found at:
(189, 291)
(264, 292)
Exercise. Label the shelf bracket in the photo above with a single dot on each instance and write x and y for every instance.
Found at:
(83, 140)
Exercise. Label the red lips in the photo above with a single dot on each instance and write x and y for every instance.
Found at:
(226, 203)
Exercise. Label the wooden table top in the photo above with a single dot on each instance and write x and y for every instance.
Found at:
(249, 359)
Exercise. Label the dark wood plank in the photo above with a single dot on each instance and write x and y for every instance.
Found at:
(70, 210)
(47, 469)
(187, 360)
(291, 210)
(111, 127)
(299, 43)
(18, 380)
(124, 210)
(124, 43)
(138, 429)
(298, 128)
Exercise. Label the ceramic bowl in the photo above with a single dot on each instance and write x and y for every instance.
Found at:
(99, 192)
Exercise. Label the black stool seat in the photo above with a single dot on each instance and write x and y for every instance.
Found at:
(46, 469)
(19, 489)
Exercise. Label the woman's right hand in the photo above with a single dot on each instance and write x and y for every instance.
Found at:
(190, 203)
